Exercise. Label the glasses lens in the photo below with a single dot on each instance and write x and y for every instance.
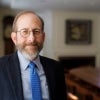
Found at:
(37, 32)
(24, 32)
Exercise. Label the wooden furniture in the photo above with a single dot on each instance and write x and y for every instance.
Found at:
(84, 82)
(71, 96)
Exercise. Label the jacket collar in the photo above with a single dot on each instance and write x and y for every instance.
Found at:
(15, 75)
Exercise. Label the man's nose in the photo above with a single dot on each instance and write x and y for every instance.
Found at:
(31, 36)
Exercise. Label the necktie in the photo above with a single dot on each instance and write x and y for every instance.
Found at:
(35, 82)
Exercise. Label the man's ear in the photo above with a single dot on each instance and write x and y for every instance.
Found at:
(14, 37)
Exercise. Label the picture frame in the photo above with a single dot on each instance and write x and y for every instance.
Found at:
(7, 23)
(7, 26)
(78, 31)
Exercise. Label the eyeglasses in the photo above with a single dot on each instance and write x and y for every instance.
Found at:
(25, 32)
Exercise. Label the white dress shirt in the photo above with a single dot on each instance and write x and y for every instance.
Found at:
(25, 74)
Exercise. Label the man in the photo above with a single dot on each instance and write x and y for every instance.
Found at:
(28, 36)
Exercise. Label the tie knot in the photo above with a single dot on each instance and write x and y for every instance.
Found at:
(32, 64)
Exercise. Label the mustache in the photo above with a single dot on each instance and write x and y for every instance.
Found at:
(32, 44)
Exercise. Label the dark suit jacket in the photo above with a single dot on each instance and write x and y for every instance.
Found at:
(11, 83)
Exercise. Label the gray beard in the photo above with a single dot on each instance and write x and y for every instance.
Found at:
(30, 57)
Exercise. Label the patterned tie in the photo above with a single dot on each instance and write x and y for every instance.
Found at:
(35, 83)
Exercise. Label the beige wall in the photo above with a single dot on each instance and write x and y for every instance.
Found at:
(62, 49)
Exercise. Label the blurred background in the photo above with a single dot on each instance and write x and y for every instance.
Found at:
(72, 30)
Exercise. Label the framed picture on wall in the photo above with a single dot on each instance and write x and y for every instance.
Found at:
(78, 31)
(7, 22)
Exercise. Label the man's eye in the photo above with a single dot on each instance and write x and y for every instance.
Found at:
(37, 31)
(24, 31)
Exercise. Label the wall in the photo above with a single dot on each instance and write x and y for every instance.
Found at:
(48, 45)
(62, 49)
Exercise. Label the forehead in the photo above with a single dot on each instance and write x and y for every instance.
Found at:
(28, 19)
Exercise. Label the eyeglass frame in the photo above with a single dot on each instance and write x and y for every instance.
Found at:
(28, 32)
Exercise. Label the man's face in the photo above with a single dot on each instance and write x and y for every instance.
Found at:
(29, 46)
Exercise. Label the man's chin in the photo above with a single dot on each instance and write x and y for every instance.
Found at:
(30, 56)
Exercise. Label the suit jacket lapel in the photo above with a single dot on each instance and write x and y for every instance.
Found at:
(15, 76)
(49, 72)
